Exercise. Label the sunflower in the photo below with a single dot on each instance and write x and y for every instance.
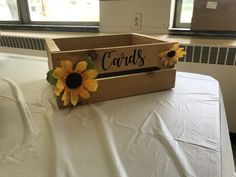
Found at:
(171, 57)
(74, 82)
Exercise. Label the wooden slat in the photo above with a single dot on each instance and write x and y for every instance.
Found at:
(90, 42)
(51, 45)
(50, 48)
(130, 85)
(149, 52)
(137, 39)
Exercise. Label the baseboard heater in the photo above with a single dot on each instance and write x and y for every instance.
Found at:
(195, 53)
(22, 42)
(210, 54)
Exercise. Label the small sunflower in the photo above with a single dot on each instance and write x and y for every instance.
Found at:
(74, 83)
(171, 57)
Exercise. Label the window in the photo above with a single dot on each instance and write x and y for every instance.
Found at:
(183, 13)
(73, 13)
(8, 10)
(216, 17)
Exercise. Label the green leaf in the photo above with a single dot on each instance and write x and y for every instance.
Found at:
(52, 80)
(90, 62)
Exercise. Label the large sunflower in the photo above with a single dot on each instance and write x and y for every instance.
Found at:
(171, 57)
(74, 82)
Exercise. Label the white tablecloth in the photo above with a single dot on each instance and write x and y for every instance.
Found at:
(175, 133)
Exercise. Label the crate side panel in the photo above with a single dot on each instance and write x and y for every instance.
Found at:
(130, 85)
(134, 85)
(120, 58)
(90, 42)
(137, 39)
(51, 45)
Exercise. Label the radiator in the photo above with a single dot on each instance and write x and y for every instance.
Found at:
(210, 55)
(195, 54)
(218, 62)
(22, 42)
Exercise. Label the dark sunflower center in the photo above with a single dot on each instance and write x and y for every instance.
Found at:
(73, 80)
(171, 53)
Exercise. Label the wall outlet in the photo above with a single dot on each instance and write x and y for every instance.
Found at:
(137, 21)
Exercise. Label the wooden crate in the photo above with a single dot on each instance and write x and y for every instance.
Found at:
(128, 64)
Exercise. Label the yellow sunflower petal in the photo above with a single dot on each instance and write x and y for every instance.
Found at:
(84, 93)
(59, 73)
(175, 46)
(90, 74)
(166, 61)
(175, 59)
(57, 91)
(163, 54)
(91, 85)
(81, 66)
(171, 63)
(74, 98)
(67, 66)
(180, 49)
(60, 84)
(180, 54)
(163, 59)
(66, 98)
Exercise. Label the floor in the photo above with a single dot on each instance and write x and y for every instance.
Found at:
(233, 143)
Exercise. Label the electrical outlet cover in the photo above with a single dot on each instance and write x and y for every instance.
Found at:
(137, 21)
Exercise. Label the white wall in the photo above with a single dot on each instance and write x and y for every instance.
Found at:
(117, 15)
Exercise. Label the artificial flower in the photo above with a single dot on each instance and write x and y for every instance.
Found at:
(74, 82)
(171, 57)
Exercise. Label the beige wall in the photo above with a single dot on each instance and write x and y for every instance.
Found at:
(117, 15)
